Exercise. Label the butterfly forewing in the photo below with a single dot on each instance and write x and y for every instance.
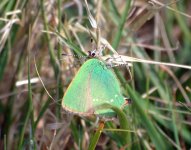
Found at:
(75, 96)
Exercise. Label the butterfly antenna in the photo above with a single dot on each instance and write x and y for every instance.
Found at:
(83, 57)
(77, 56)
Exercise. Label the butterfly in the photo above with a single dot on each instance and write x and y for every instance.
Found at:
(93, 85)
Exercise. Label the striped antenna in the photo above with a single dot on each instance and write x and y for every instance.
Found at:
(76, 56)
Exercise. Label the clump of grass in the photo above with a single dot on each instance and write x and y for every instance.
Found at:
(159, 116)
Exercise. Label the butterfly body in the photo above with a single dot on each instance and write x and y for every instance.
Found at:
(93, 85)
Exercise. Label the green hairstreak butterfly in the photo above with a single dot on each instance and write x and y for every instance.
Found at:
(93, 85)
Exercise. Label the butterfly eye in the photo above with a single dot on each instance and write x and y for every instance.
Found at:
(92, 53)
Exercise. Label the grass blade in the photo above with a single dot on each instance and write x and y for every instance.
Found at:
(94, 140)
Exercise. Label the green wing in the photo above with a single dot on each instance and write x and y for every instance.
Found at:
(93, 85)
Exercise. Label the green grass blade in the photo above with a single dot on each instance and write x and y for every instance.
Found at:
(54, 63)
(47, 36)
(125, 137)
(5, 142)
(183, 25)
(29, 110)
(114, 8)
(94, 140)
(146, 121)
(121, 25)
(174, 122)
(3, 61)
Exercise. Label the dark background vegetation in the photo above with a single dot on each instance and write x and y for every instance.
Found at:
(160, 115)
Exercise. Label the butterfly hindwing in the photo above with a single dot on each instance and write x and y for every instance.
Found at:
(105, 88)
